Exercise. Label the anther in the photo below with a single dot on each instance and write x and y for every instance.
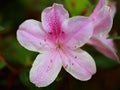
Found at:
(75, 56)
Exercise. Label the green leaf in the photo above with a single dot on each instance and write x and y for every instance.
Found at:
(101, 61)
(13, 52)
(104, 62)
(115, 37)
(77, 7)
(2, 65)
(24, 78)
(2, 28)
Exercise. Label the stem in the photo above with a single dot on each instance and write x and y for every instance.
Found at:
(8, 65)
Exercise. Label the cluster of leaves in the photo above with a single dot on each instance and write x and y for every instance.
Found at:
(15, 59)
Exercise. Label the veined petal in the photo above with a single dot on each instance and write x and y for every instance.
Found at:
(80, 65)
(103, 17)
(45, 69)
(103, 25)
(105, 46)
(102, 4)
(52, 17)
(31, 35)
(78, 31)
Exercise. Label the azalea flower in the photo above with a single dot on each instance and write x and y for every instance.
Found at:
(102, 17)
(58, 39)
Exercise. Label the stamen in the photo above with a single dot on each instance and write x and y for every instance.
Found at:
(65, 66)
(72, 63)
(75, 56)
(45, 40)
(51, 60)
(40, 43)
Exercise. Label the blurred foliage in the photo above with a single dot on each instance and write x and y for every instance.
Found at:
(114, 37)
(14, 53)
(79, 7)
(2, 65)
(101, 61)
(16, 61)
(2, 28)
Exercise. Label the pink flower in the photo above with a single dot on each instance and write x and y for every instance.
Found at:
(103, 19)
(58, 39)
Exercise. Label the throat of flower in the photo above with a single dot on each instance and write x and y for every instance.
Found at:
(60, 48)
(62, 52)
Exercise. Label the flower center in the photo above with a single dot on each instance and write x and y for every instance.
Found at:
(59, 46)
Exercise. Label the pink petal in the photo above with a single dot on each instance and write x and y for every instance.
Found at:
(78, 31)
(105, 46)
(112, 9)
(80, 65)
(103, 25)
(45, 69)
(103, 17)
(105, 4)
(52, 17)
(31, 35)
(100, 4)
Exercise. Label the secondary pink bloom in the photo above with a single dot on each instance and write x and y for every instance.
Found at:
(103, 19)
(58, 39)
